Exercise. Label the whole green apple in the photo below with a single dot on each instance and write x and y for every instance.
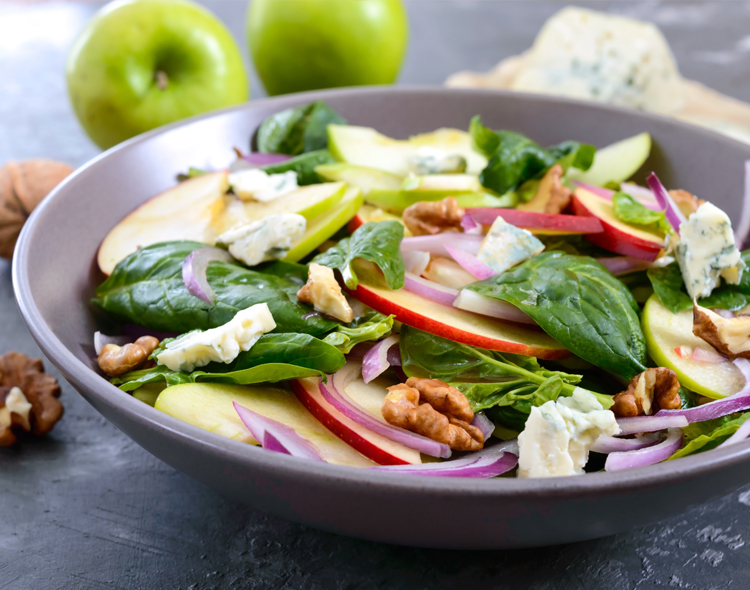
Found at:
(308, 44)
(140, 64)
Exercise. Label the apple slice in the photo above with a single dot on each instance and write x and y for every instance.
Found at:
(362, 177)
(616, 236)
(209, 406)
(369, 213)
(199, 209)
(616, 162)
(371, 445)
(461, 326)
(363, 146)
(666, 333)
(539, 223)
(324, 226)
(433, 187)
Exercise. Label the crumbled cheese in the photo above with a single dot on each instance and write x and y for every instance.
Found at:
(324, 292)
(430, 160)
(255, 184)
(507, 245)
(558, 435)
(268, 239)
(15, 403)
(586, 54)
(706, 251)
(222, 344)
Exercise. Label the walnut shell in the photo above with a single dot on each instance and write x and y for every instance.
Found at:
(23, 185)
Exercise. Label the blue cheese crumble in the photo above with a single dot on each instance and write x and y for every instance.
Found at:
(706, 251)
(256, 185)
(429, 160)
(558, 435)
(222, 344)
(268, 239)
(507, 245)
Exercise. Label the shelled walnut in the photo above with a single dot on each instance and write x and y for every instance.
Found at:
(729, 336)
(433, 217)
(433, 409)
(23, 185)
(647, 393)
(116, 360)
(28, 398)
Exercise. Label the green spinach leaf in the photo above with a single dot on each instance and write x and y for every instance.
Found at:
(304, 165)
(704, 436)
(147, 289)
(375, 242)
(298, 130)
(372, 326)
(628, 210)
(670, 289)
(515, 159)
(578, 302)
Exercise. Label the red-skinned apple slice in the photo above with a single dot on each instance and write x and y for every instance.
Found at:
(538, 222)
(460, 326)
(617, 236)
(371, 445)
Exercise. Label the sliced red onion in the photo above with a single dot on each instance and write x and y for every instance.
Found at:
(282, 435)
(375, 362)
(725, 313)
(671, 210)
(263, 159)
(472, 301)
(430, 289)
(484, 424)
(470, 263)
(101, 340)
(394, 356)
(194, 271)
(707, 356)
(468, 466)
(654, 423)
(335, 394)
(436, 244)
(621, 265)
(645, 196)
(271, 443)
(599, 191)
(416, 261)
(470, 225)
(739, 435)
(648, 456)
(610, 444)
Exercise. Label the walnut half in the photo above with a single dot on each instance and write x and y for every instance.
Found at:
(428, 218)
(552, 196)
(730, 336)
(116, 360)
(653, 390)
(433, 409)
(28, 398)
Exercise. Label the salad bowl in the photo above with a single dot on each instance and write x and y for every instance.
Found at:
(55, 275)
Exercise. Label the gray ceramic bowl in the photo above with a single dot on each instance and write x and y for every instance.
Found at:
(55, 275)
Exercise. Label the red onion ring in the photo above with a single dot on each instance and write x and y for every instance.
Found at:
(484, 424)
(194, 271)
(648, 456)
(470, 263)
(470, 225)
(671, 210)
(375, 362)
(654, 423)
(430, 289)
(610, 444)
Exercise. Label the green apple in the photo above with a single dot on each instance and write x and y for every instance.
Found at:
(326, 225)
(300, 45)
(364, 178)
(616, 162)
(140, 64)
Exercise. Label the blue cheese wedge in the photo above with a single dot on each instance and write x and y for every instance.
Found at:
(507, 245)
(586, 54)
(221, 344)
(256, 185)
(706, 251)
(268, 239)
(558, 435)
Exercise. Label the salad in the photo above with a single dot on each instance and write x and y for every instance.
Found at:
(458, 304)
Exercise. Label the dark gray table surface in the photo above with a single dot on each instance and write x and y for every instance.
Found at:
(87, 508)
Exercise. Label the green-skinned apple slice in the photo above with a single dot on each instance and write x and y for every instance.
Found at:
(199, 209)
(209, 406)
(616, 162)
(669, 334)
(369, 213)
(324, 226)
(460, 326)
(371, 445)
(362, 177)
(433, 187)
(363, 146)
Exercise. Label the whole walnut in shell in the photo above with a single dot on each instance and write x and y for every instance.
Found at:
(23, 185)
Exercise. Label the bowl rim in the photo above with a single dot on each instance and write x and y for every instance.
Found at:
(85, 379)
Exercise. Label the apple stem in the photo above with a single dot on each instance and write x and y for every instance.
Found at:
(161, 79)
